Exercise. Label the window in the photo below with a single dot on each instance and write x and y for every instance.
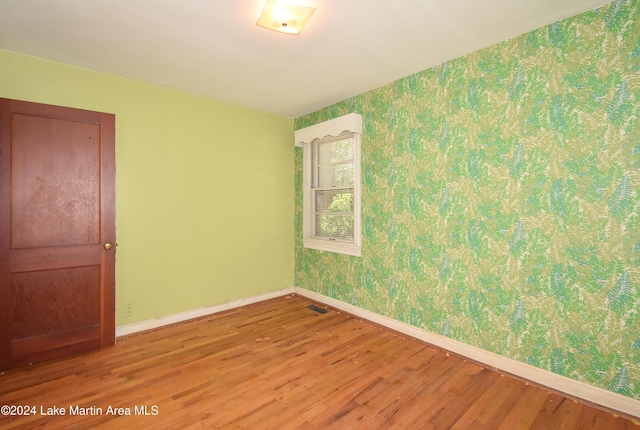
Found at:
(331, 218)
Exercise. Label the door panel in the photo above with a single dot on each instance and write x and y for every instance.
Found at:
(65, 304)
(57, 183)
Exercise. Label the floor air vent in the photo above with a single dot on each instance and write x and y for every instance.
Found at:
(317, 309)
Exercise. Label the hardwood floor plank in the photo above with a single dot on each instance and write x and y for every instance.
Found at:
(489, 408)
(278, 365)
(525, 410)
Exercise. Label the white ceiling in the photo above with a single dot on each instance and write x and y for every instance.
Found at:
(214, 49)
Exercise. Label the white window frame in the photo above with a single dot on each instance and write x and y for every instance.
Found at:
(303, 138)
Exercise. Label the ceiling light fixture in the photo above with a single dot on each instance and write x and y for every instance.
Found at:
(284, 17)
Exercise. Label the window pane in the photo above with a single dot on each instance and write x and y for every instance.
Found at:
(334, 201)
(334, 213)
(336, 175)
(333, 163)
(335, 226)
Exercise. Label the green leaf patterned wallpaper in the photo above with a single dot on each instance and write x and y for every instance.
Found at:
(501, 200)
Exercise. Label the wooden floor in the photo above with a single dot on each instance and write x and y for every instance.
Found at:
(279, 365)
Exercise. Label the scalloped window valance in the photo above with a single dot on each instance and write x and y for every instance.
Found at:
(334, 127)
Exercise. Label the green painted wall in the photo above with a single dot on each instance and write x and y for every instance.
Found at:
(204, 189)
(501, 200)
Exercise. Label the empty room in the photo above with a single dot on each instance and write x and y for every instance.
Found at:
(354, 214)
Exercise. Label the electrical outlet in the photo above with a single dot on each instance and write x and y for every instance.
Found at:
(128, 310)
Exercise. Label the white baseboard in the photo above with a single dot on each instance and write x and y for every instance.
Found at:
(548, 379)
(197, 313)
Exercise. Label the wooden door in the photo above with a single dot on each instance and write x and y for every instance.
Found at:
(57, 232)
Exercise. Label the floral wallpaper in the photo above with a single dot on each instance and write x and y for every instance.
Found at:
(500, 200)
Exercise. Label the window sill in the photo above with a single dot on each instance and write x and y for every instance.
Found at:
(333, 246)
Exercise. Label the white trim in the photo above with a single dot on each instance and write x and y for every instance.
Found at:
(197, 313)
(354, 247)
(332, 246)
(548, 379)
(351, 122)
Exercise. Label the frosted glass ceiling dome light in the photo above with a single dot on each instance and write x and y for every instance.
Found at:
(284, 17)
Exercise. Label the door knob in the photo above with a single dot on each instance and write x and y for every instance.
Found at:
(107, 245)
